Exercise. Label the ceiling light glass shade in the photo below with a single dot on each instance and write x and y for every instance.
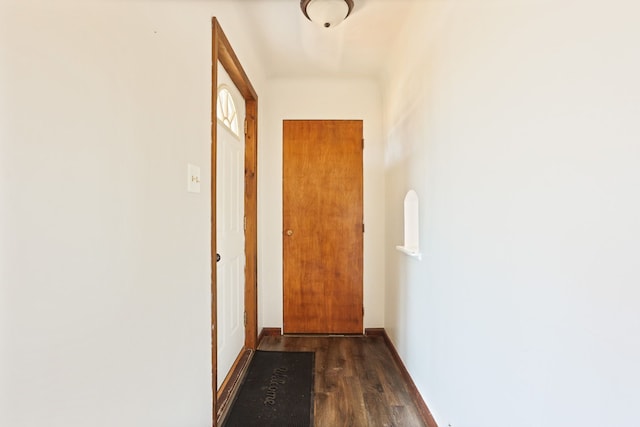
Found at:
(327, 13)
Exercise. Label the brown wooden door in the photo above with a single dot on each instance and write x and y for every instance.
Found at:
(322, 226)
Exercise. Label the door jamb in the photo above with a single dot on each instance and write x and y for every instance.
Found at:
(222, 51)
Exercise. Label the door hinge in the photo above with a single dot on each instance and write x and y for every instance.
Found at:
(363, 227)
(245, 319)
(363, 143)
(363, 311)
(245, 223)
(246, 126)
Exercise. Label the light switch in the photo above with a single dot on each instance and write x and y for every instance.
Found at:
(193, 178)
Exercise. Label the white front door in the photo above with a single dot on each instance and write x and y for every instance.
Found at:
(230, 227)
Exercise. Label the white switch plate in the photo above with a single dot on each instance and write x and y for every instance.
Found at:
(193, 178)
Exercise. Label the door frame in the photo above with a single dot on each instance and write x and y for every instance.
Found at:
(222, 52)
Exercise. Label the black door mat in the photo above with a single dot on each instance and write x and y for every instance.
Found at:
(276, 391)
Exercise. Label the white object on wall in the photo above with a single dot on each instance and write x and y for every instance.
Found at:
(193, 178)
(411, 244)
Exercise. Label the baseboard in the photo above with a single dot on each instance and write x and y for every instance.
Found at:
(413, 390)
(231, 384)
(269, 332)
(375, 332)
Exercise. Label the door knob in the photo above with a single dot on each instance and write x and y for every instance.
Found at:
(289, 232)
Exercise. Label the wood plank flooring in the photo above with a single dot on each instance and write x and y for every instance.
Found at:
(357, 382)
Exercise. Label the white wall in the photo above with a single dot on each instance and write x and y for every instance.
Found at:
(517, 123)
(357, 99)
(104, 256)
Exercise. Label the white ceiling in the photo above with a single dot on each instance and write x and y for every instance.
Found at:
(294, 47)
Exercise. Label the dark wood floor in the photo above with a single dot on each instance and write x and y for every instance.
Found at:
(357, 382)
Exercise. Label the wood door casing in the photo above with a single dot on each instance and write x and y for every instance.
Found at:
(223, 52)
(322, 226)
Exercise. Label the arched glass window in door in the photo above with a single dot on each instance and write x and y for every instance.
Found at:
(226, 110)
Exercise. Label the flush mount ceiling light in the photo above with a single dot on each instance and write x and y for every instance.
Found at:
(327, 13)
